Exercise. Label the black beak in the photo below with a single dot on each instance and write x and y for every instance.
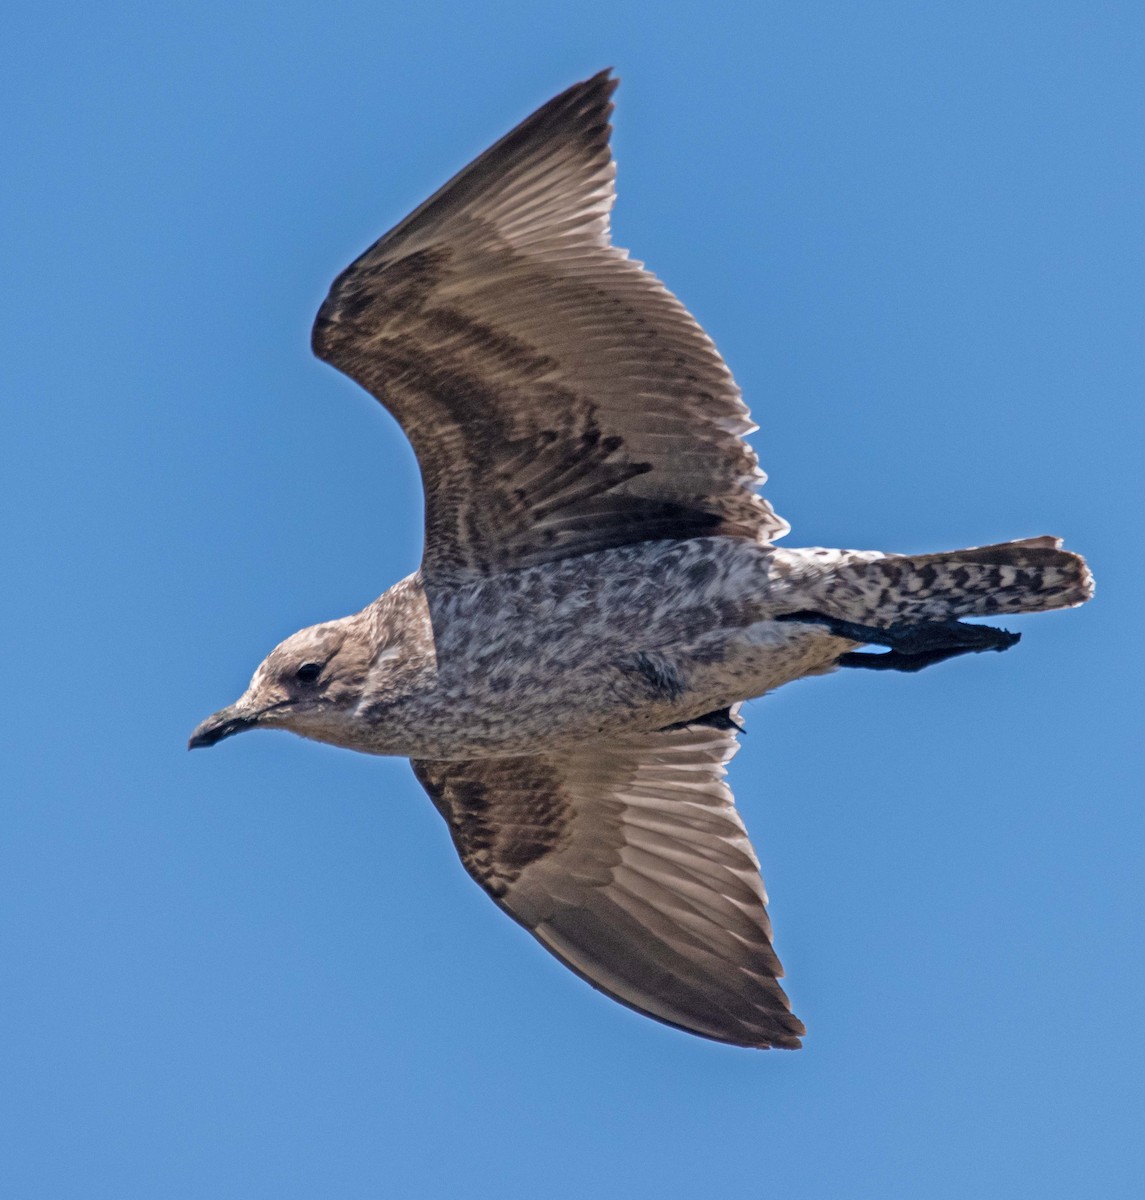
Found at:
(225, 722)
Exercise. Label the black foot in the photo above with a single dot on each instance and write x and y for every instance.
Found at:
(895, 660)
(722, 718)
(911, 647)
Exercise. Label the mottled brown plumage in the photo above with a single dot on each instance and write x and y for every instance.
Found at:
(522, 354)
(599, 589)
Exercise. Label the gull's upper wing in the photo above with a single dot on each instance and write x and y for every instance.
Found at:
(628, 861)
(559, 399)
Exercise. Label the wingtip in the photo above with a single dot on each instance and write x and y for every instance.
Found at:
(595, 92)
(603, 78)
(789, 1037)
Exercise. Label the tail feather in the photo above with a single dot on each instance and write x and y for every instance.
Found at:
(1026, 576)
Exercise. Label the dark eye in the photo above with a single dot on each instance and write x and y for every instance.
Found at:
(308, 672)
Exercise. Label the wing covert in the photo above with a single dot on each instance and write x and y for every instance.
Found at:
(558, 398)
(628, 861)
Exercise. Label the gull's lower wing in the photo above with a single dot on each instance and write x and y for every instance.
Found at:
(559, 399)
(628, 860)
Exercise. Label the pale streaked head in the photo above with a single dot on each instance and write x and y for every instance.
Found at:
(310, 684)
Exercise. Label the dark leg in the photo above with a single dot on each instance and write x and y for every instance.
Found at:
(922, 638)
(722, 718)
(895, 660)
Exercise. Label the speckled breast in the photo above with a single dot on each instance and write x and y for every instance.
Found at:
(634, 638)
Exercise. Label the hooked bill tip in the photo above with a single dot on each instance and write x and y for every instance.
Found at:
(218, 726)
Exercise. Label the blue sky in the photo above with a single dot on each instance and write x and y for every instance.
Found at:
(916, 233)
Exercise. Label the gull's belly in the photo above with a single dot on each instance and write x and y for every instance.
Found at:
(512, 705)
(629, 639)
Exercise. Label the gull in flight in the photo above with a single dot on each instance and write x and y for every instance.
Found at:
(600, 588)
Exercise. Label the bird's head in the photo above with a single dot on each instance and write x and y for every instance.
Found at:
(310, 684)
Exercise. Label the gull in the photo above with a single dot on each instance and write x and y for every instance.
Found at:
(600, 589)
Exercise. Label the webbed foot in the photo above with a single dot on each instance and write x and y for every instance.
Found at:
(911, 647)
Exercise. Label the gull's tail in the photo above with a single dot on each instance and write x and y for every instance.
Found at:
(1027, 576)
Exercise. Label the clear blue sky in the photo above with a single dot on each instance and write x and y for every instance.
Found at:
(916, 233)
